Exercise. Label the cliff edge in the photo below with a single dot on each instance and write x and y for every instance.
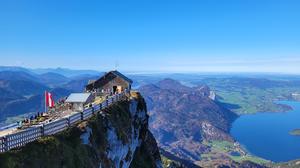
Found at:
(116, 137)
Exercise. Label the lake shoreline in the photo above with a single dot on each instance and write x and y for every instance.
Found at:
(295, 132)
(280, 124)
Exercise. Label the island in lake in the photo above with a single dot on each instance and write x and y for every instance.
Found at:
(295, 132)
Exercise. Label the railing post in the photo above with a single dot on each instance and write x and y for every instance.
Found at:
(5, 144)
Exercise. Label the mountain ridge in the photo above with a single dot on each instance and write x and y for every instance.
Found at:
(179, 112)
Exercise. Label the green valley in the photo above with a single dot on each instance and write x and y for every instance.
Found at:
(251, 95)
(230, 150)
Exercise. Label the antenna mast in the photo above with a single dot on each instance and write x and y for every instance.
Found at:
(116, 65)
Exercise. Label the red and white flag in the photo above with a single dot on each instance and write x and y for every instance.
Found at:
(49, 99)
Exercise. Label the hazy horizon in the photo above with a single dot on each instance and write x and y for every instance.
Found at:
(156, 72)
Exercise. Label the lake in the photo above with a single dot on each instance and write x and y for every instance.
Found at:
(267, 134)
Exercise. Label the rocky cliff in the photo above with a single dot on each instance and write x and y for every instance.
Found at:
(118, 137)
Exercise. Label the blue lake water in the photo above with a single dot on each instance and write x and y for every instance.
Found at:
(267, 134)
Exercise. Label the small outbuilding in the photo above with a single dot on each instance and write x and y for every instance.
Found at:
(79, 100)
(110, 83)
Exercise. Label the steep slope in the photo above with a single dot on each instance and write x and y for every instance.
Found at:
(183, 117)
(118, 137)
(192, 126)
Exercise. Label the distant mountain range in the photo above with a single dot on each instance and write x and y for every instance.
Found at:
(62, 71)
(21, 89)
(65, 72)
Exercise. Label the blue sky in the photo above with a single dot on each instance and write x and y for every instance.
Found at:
(152, 35)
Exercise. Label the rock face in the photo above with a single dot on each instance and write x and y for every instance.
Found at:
(182, 117)
(118, 137)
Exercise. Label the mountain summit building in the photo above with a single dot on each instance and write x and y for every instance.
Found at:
(110, 83)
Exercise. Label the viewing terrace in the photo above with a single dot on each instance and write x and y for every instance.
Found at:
(110, 88)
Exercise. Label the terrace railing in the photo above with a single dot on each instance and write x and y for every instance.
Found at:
(24, 136)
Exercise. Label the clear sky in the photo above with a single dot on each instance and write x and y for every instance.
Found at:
(152, 35)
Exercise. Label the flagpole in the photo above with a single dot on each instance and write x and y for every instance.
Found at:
(45, 101)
